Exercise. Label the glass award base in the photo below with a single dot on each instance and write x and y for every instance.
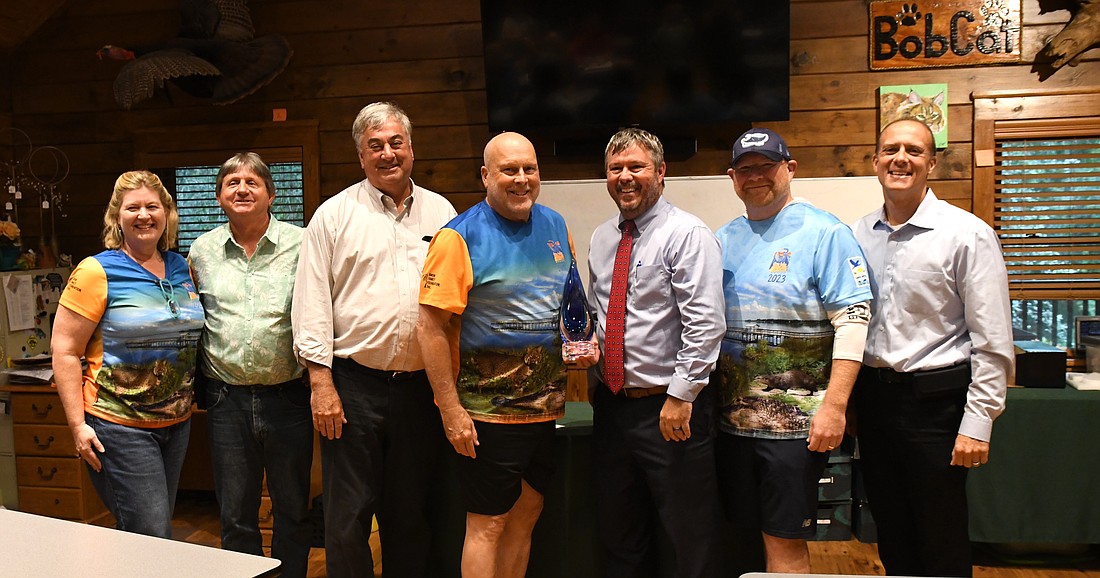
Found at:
(571, 351)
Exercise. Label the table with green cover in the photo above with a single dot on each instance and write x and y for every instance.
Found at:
(1042, 482)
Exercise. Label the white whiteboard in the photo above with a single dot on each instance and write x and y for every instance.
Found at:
(585, 204)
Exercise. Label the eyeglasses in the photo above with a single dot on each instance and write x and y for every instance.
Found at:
(169, 296)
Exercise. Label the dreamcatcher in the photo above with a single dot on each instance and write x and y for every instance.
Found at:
(15, 183)
(49, 166)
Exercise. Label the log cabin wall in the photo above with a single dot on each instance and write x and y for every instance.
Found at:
(8, 138)
(5, 111)
(426, 55)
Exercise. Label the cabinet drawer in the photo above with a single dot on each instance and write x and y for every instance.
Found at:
(49, 472)
(266, 517)
(37, 408)
(68, 503)
(44, 440)
(835, 483)
(834, 521)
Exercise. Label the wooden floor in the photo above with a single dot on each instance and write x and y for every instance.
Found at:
(196, 521)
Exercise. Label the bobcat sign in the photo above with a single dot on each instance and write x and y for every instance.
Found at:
(944, 33)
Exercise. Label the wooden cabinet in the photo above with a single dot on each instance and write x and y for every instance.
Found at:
(267, 520)
(52, 480)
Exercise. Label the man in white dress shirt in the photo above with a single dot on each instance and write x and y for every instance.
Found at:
(354, 315)
(937, 360)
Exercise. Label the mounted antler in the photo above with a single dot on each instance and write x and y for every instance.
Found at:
(1081, 33)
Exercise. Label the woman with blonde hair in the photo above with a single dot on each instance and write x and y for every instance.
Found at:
(133, 313)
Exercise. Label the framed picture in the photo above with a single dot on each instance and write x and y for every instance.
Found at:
(1086, 325)
(926, 103)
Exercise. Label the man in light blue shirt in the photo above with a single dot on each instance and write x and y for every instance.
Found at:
(257, 405)
(653, 421)
(938, 357)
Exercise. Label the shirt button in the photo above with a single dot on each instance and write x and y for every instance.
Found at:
(249, 364)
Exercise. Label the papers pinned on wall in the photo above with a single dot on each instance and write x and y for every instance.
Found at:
(19, 298)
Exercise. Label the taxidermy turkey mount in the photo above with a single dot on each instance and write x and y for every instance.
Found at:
(214, 57)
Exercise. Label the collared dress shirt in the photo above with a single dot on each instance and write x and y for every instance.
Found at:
(358, 282)
(248, 339)
(941, 298)
(674, 306)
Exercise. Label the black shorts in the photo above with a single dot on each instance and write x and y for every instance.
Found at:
(770, 484)
(506, 454)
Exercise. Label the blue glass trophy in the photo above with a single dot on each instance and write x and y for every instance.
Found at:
(575, 323)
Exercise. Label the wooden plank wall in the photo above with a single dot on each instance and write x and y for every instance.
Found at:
(833, 94)
(8, 138)
(5, 110)
(426, 55)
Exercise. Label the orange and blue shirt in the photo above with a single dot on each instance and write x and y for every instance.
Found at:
(141, 357)
(505, 279)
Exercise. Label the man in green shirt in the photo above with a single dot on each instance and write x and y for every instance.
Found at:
(257, 405)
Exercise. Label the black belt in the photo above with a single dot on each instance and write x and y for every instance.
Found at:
(887, 375)
(925, 383)
(385, 374)
(395, 375)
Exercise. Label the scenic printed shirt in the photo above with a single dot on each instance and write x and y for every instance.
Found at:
(505, 279)
(248, 338)
(141, 357)
(780, 275)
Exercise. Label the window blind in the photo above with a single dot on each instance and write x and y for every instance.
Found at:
(1046, 210)
(198, 205)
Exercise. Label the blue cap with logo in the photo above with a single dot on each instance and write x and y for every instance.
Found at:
(763, 141)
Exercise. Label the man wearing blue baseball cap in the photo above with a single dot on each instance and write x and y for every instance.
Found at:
(796, 291)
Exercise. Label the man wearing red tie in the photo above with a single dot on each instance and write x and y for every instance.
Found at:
(656, 285)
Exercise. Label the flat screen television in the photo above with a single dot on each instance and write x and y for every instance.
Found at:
(615, 63)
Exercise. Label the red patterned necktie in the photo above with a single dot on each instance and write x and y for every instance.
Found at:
(613, 373)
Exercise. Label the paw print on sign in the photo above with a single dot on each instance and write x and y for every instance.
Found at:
(995, 12)
(909, 14)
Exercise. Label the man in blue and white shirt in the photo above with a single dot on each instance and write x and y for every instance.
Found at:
(797, 291)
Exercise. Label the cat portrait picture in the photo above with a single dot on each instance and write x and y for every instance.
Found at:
(926, 103)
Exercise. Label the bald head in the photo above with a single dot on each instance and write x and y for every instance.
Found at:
(505, 140)
(511, 176)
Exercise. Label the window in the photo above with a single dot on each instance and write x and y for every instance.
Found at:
(1047, 211)
(192, 156)
(1037, 182)
(1051, 320)
(198, 208)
